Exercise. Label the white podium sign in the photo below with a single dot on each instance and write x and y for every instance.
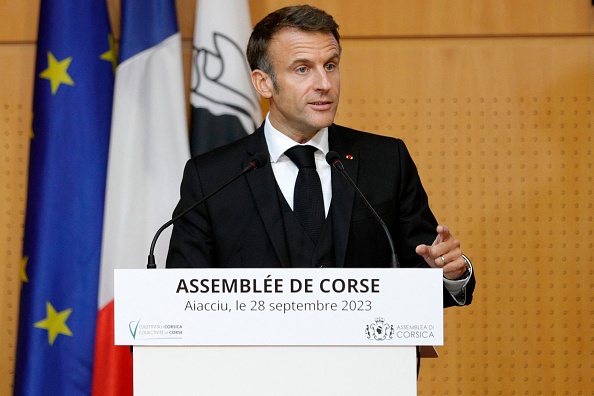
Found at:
(279, 307)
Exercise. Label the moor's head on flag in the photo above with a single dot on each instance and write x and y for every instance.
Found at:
(225, 105)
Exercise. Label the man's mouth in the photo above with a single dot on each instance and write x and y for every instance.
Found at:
(322, 104)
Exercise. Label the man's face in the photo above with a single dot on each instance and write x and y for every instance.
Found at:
(308, 82)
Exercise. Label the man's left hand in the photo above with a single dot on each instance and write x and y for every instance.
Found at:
(444, 253)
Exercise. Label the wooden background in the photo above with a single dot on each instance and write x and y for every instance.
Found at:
(494, 99)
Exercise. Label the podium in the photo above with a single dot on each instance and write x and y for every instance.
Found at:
(277, 332)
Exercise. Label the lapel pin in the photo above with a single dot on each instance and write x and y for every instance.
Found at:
(349, 157)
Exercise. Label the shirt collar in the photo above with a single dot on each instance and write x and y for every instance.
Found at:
(278, 142)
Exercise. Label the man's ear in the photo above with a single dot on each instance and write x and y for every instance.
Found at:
(262, 83)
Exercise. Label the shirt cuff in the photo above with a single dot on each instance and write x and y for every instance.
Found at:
(457, 287)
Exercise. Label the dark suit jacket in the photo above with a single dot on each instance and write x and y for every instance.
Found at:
(241, 226)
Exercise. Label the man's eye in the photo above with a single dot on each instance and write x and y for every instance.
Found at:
(301, 69)
(330, 66)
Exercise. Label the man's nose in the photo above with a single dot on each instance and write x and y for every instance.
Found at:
(322, 80)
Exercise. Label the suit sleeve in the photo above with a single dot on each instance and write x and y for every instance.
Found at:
(417, 223)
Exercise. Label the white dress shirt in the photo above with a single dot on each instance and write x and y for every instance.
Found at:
(285, 171)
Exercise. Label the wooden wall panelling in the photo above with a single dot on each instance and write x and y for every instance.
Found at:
(15, 126)
(501, 130)
(19, 20)
(380, 18)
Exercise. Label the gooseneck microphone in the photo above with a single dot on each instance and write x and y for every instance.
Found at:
(333, 159)
(258, 161)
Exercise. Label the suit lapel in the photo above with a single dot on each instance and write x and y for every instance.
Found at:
(264, 190)
(343, 194)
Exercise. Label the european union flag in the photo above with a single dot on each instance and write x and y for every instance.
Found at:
(72, 107)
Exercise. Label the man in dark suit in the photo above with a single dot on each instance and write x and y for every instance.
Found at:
(294, 54)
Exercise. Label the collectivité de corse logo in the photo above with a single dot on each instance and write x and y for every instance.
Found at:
(379, 330)
(133, 324)
(154, 331)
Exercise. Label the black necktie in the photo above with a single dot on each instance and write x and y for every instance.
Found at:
(308, 201)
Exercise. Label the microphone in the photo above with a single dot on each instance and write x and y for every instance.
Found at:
(258, 161)
(333, 159)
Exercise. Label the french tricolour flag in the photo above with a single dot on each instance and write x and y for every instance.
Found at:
(148, 150)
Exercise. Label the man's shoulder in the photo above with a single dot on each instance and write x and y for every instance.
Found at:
(358, 137)
(226, 154)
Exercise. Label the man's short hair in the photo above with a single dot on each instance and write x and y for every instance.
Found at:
(303, 17)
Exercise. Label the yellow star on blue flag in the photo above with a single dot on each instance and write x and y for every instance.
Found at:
(110, 55)
(57, 72)
(72, 105)
(54, 323)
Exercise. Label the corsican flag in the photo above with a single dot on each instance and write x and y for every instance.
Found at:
(64, 219)
(149, 148)
(225, 106)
